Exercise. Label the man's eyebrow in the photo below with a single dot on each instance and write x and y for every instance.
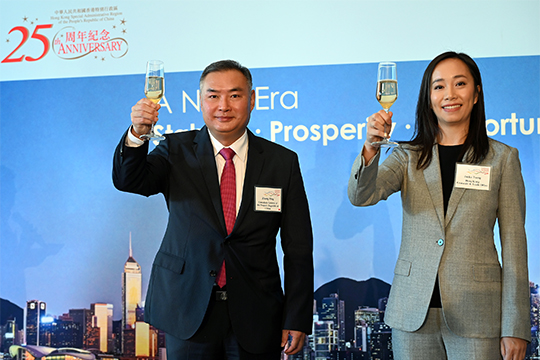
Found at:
(229, 90)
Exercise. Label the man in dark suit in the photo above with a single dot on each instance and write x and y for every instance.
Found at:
(215, 287)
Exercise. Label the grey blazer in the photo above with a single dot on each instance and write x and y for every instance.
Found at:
(481, 297)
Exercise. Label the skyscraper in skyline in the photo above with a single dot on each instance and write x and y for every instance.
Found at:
(146, 340)
(325, 339)
(102, 319)
(83, 317)
(35, 310)
(333, 309)
(364, 320)
(131, 293)
(131, 289)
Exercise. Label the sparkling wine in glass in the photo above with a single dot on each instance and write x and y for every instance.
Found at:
(386, 95)
(154, 88)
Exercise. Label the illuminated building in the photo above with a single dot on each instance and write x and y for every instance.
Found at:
(533, 350)
(361, 330)
(364, 318)
(367, 314)
(333, 309)
(83, 317)
(93, 339)
(131, 299)
(11, 325)
(102, 319)
(128, 341)
(35, 310)
(324, 339)
(131, 289)
(117, 337)
(142, 344)
(146, 340)
(9, 335)
(371, 334)
(381, 342)
(59, 333)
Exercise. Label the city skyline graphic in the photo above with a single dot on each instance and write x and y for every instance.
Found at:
(347, 323)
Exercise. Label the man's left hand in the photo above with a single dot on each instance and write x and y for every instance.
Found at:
(296, 343)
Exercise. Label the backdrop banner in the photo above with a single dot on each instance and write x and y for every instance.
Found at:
(66, 232)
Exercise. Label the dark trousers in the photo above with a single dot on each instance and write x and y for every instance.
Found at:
(215, 339)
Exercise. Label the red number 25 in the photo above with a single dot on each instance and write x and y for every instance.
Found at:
(35, 35)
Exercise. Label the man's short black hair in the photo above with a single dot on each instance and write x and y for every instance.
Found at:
(224, 65)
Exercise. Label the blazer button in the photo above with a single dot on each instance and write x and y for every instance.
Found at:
(213, 273)
(440, 242)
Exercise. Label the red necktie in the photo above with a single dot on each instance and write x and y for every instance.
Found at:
(228, 201)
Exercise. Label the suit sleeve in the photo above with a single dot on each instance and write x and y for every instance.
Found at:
(515, 280)
(368, 184)
(297, 244)
(136, 171)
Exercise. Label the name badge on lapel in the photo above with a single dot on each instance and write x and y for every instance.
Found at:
(472, 177)
(267, 199)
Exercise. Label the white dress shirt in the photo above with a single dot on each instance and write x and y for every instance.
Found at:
(240, 148)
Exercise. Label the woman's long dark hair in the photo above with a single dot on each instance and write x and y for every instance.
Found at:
(427, 126)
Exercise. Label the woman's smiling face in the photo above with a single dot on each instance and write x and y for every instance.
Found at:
(453, 93)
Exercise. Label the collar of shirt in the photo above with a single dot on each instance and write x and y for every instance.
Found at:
(240, 146)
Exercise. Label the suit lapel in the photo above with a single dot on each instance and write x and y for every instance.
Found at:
(204, 151)
(254, 166)
(432, 176)
(455, 197)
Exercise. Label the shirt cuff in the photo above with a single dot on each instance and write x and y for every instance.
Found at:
(132, 140)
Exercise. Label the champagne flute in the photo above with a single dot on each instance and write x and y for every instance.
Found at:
(386, 95)
(154, 88)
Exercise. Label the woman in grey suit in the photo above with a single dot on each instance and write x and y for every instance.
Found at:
(451, 298)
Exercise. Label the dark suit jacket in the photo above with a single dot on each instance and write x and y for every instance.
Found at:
(183, 169)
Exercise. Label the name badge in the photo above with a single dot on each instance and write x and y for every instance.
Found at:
(267, 199)
(472, 177)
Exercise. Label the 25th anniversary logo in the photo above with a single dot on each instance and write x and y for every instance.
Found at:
(75, 33)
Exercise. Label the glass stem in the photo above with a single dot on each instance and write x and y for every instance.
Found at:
(385, 132)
